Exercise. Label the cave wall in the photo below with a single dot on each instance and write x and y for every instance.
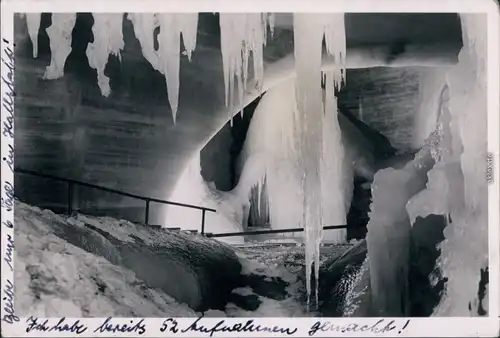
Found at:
(128, 141)
(216, 160)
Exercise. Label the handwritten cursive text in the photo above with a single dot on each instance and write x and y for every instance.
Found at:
(35, 324)
(8, 297)
(108, 326)
(248, 326)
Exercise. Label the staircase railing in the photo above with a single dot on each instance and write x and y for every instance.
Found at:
(147, 200)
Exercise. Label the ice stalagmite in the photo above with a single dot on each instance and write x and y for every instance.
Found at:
(33, 22)
(309, 30)
(240, 35)
(60, 43)
(167, 59)
(108, 39)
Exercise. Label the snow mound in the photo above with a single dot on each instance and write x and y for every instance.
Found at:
(191, 269)
(57, 279)
(273, 289)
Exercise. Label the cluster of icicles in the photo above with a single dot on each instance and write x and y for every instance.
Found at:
(240, 34)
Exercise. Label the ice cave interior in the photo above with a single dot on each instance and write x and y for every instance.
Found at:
(276, 121)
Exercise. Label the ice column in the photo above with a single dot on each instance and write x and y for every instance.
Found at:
(60, 43)
(309, 30)
(388, 237)
(33, 22)
(108, 39)
(457, 185)
(240, 35)
(464, 250)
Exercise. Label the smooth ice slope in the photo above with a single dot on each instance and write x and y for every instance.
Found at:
(271, 134)
(232, 206)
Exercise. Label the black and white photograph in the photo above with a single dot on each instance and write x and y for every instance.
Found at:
(217, 164)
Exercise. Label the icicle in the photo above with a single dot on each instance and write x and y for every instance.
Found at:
(188, 25)
(240, 34)
(167, 59)
(33, 22)
(309, 30)
(60, 43)
(335, 44)
(272, 20)
(308, 37)
(360, 109)
(336, 177)
(144, 26)
(108, 39)
(169, 41)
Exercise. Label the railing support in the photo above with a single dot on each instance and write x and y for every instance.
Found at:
(70, 198)
(146, 216)
(203, 222)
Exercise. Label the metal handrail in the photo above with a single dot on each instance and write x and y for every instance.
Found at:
(148, 200)
(263, 232)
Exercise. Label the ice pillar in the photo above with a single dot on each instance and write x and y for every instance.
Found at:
(309, 31)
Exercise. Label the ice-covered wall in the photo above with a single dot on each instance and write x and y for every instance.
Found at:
(457, 186)
(389, 231)
(192, 189)
(271, 132)
(463, 170)
(452, 109)
(431, 83)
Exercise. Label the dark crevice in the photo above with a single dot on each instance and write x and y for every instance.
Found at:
(481, 293)
(426, 234)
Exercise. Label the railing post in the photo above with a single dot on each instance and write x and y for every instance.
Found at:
(70, 198)
(203, 222)
(146, 216)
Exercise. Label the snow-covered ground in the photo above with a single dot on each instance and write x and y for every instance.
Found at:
(55, 279)
(69, 266)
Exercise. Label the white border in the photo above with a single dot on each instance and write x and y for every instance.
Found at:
(436, 327)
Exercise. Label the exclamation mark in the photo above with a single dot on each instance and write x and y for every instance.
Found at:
(404, 327)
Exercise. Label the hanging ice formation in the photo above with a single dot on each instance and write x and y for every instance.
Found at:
(108, 39)
(167, 59)
(241, 34)
(60, 43)
(309, 30)
(33, 23)
(105, 44)
(336, 168)
(360, 108)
